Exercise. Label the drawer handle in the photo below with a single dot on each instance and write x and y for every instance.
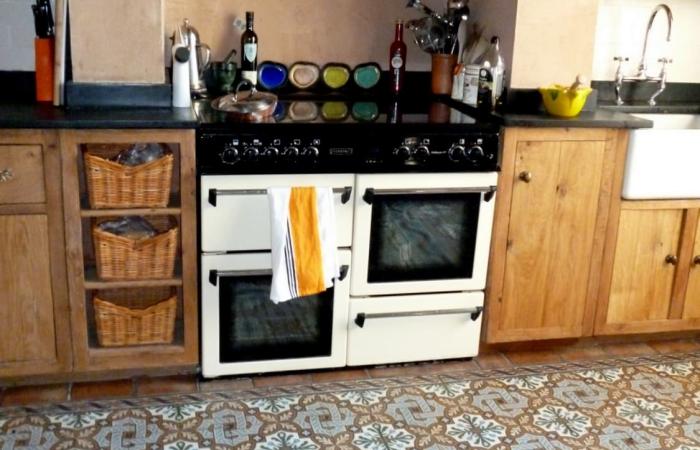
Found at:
(6, 175)
(525, 176)
(672, 260)
(474, 314)
(345, 193)
(696, 261)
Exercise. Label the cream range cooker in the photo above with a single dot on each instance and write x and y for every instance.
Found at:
(414, 207)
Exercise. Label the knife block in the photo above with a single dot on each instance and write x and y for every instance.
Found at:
(43, 63)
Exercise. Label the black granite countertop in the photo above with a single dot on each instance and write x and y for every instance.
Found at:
(20, 115)
(598, 118)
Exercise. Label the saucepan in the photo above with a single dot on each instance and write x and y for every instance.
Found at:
(246, 106)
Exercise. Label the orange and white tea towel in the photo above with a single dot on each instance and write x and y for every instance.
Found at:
(304, 244)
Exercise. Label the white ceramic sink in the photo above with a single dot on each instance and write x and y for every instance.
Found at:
(663, 162)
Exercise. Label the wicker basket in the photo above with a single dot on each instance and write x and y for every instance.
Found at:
(112, 185)
(122, 258)
(135, 317)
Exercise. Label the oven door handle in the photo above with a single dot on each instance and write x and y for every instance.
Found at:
(488, 191)
(474, 314)
(215, 274)
(345, 193)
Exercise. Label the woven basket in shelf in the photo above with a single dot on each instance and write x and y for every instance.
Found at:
(122, 258)
(135, 316)
(112, 185)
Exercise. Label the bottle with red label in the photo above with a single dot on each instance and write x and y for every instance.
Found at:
(397, 59)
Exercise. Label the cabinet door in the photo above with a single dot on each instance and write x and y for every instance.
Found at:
(554, 209)
(644, 270)
(27, 332)
(691, 309)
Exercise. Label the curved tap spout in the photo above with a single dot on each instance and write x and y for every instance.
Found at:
(669, 15)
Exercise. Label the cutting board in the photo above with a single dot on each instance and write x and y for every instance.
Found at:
(117, 41)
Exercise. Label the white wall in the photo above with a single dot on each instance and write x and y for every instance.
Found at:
(16, 35)
(620, 31)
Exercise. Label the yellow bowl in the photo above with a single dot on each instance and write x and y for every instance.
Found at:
(562, 102)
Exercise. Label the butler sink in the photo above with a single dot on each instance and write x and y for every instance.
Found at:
(663, 162)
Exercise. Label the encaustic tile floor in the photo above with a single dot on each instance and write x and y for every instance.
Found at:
(188, 384)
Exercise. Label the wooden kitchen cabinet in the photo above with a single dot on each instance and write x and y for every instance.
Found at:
(84, 282)
(34, 313)
(652, 281)
(552, 210)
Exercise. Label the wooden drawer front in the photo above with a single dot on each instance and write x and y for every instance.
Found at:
(21, 174)
(435, 335)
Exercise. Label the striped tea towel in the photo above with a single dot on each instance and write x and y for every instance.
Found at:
(304, 244)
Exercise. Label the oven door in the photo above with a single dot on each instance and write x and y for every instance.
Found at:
(236, 210)
(243, 331)
(422, 232)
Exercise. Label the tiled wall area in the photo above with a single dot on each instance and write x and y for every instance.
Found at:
(621, 27)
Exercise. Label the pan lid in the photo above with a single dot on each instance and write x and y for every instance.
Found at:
(246, 102)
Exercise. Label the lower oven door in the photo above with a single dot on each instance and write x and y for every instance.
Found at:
(243, 331)
(422, 232)
(406, 328)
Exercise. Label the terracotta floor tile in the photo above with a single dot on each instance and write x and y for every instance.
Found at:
(577, 354)
(225, 384)
(339, 375)
(28, 395)
(490, 361)
(675, 346)
(631, 349)
(281, 380)
(528, 357)
(180, 384)
(102, 389)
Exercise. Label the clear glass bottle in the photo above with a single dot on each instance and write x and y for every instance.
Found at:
(491, 77)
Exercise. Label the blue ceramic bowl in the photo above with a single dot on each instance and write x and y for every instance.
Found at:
(272, 75)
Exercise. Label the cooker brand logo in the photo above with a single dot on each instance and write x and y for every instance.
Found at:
(341, 151)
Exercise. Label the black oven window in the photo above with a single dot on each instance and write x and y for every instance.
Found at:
(417, 237)
(253, 328)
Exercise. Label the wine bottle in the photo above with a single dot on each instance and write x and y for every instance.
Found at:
(397, 59)
(249, 51)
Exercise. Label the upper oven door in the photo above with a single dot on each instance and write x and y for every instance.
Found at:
(243, 331)
(235, 211)
(422, 232)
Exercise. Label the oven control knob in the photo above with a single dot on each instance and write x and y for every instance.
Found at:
(457, 153)
(251, 153)
(290, 152)
(310, 152)
(271, 153)
(403, 152)
(475, 154)
(422, 153)
(230, 155)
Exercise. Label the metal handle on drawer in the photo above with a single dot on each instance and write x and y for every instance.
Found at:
(6, 175)
(370, 193)
(672, 259)
(345, 192)
(525, 176)
(215, 274)
(474, 314)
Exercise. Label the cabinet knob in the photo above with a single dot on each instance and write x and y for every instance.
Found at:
(672, 260)
(696, 260)
(525, 176)
(6, 175)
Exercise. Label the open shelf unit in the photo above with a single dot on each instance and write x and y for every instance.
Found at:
(83, 279)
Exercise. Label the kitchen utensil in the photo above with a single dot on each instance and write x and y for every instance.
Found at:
(44, 66)
(562, 101)
(219, 77)
(246, 106)
(367, 75)
(417, 4)
(181, 70)
(272, 75)
(231, 57)
(200, 55)
(303, 75)
(429, 34)
(335, 75)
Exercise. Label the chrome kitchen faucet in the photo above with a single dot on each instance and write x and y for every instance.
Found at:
(642, 74)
